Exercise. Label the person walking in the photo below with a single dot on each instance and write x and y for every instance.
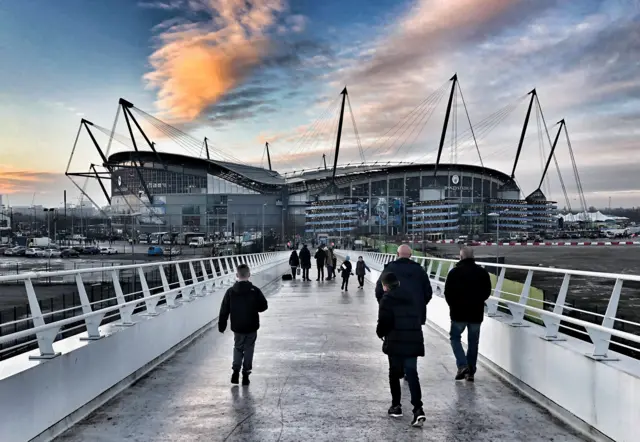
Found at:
(400, 328)
(243, 302)
(305, 262)
(346, 271)
(412, 277)
(361, 269)
(334, 261)
(466, 289)
(294, 263)
(321, 258)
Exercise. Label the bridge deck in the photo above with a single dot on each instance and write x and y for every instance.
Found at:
(319, 374)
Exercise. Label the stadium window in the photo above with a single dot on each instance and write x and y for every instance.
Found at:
(396, 187)
(360, 189)
(379, 188)
(412, 188)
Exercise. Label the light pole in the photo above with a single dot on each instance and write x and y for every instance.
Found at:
(263, 206)
(497, 216)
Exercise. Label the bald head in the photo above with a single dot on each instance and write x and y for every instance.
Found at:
(404, 251)
(466, 252)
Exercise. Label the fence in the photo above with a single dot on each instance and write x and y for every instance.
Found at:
(121, 292)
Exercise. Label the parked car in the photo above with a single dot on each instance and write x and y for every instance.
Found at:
(34, 252)
(69, 253)
(108, 251)
(91, 250)
(16, 251)
(173, 251)
(52, 253)
(155, 251)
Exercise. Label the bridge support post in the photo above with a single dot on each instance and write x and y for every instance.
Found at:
(46, 337)
(518, 311)
(552, 324)
(429, 268)
(125, 309)
(170, 297)
(186, 291)
(93, 322)
(207, 287)
(149, 302)
(600, 338)
(492, 304)
(197, 287)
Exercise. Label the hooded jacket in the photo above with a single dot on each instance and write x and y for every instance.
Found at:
(400, 324)
(243, 302)
(320, 257)
(294, 261)
(414, 279)
(361, 268)
(305, 257)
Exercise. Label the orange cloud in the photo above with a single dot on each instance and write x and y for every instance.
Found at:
(15, 181)
(197, 63)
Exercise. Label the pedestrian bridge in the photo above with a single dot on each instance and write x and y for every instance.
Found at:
(146, 365)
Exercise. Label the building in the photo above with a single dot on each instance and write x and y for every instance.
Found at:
(178, 193)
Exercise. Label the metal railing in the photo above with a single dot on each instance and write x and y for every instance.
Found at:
(554, 315)
(206, 274)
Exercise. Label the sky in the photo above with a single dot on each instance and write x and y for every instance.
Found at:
(246, 72)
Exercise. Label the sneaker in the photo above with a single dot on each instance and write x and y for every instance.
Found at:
(418, 418)
(469, 377)
(462, 373)
(235, 377)
(245, 379)
(395, 411)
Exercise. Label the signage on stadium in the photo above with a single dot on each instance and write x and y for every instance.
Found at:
(458, 187)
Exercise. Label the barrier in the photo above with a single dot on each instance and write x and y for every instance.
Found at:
(583, 382)
(62, 381)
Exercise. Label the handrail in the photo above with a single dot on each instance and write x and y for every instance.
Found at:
(193, 286)
(599, 334)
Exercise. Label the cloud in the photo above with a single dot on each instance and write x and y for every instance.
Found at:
(198, 63)
(17, 181)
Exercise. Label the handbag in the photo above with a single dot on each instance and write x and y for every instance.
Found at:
(298, 271)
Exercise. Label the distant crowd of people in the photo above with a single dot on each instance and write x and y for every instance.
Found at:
(403, 291)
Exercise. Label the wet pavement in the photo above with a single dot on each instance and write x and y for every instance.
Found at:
(319, 374)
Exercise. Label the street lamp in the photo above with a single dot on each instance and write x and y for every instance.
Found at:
(497, 216)
(263, 206)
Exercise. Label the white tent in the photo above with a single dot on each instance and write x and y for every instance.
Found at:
(593, 217)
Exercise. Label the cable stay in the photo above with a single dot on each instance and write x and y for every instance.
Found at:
(355, 130)
(555, 160)
(583, 200)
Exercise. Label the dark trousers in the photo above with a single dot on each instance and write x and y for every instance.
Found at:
(345, 282)
(305, 274)
(320, 272)
(330, 273)
(293, 272)
(361, 280)
(400, 367)
(243, 346)
(469, 359)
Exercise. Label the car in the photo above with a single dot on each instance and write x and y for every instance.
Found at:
(91, 250)
(16, 251)
(108, 251)
(34, 252)
(52, 253)
(69, 253)
(155, 251)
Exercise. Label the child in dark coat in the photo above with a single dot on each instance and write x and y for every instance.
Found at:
(361, 268)
(346, 271)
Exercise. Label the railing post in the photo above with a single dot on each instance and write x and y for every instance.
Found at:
(186, 291)
(232, 270)
(46, 337)
(149, 302)
(599, 338)
(197, 288)
(552, 325)
(208, 285)
(93, 322)
(125, 310)
(518, 311)
(429, 268)
(170, 297)
(436, 278)
(492, 304)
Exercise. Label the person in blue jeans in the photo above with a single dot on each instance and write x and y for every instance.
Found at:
(467, 287)
(400, 328)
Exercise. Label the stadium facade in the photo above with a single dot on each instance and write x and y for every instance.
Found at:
(179, 193)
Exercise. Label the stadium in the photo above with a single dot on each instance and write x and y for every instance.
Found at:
(153, 191)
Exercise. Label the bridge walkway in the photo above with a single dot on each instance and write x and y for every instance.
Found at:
(319, 374)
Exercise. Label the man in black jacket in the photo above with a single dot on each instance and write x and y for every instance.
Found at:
(320, 257)
(305, 262)
(400, 327)
(243, 302)
(467, 287)
(412, 277)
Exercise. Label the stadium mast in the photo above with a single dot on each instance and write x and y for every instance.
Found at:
(446, 122)
(523, 133)
(268, 155)
(206, 148)
(553, 148)
(335, 160)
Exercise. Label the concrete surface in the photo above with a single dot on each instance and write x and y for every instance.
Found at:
(319, 374)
